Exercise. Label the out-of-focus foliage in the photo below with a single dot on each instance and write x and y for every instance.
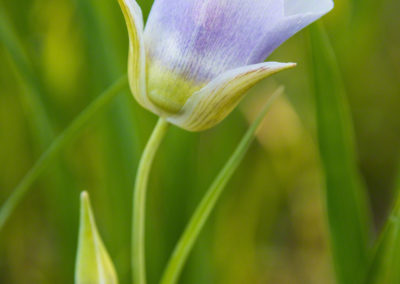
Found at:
(347, 207)
(386, 259)
(270, 226)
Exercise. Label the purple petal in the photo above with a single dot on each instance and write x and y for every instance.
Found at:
(200, 39)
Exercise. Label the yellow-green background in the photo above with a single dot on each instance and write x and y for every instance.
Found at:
(270, 225)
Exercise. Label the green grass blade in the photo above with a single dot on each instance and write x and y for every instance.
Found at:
(61, 141)
(207, 204)
(386, 259)
(347, 207)
(34, 93)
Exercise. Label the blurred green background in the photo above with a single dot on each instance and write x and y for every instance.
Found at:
(270, 225)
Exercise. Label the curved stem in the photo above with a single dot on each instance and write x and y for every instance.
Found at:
(207, 204)
(62, 140)
(139, 202)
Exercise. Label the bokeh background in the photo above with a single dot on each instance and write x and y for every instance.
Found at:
(270, 225)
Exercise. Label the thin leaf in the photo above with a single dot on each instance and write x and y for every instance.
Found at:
(385, 263)
(32, 96)
(33, 93)
(93, 264)
(55, 148)
(207, 204)
(347, 206)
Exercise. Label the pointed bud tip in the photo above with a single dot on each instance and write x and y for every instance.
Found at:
(93, 263)
(84, 195)
(85, 201)
(86, 207)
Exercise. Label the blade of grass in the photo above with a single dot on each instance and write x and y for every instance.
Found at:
(207, 204)
(33, 95)
(61, 141)
(346, 202)
(385, 262)
(106, 64)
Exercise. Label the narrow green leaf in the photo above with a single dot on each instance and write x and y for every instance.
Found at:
(93, 264)
(33, 93)
(385, 264)
(347, 205)
(54, 149)
(207, 204)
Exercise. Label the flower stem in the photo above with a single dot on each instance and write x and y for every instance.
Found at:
(139, 202)
(59, 143)
(207, 204)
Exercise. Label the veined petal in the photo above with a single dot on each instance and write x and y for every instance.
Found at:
(208, 106)
(200, 39)
(297, 14)
(93, 265)
(137, 54)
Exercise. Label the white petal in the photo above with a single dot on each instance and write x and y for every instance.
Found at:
(295, 7)
(208, 106)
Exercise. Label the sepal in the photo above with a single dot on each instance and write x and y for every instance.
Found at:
(211, 104)
(137, 52)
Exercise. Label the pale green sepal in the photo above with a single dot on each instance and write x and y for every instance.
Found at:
(167, 90)
(211, 104)
(137, 54)
(93, 264)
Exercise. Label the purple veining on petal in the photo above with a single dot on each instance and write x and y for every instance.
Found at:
(200, 39)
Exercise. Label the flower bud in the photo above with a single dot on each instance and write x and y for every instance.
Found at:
(93, 264)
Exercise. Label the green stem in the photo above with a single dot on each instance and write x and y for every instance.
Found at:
(139, 202)
(207, 204)
(62, 140)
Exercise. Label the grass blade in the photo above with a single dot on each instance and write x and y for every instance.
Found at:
(34, 93)
(62, 140)
(346, 201)
(207, 204)
(386, 259)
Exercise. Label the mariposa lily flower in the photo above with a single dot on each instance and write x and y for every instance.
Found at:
(195, 59)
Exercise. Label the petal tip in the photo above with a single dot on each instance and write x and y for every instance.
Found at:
(290, 65)
(308, 7)
(279, 66)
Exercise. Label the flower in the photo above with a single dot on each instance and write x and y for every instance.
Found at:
(195, 59)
